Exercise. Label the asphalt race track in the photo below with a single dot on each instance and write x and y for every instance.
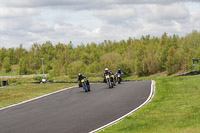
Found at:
(73, 110)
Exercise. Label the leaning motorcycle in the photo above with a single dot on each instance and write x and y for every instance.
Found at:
(85, 85)
(119, 78)
(109, 81)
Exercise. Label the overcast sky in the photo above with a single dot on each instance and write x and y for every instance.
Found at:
(85, 21)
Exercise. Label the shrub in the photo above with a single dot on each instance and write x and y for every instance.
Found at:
(6, 64)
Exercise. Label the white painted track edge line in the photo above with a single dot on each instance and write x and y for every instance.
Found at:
(13, 105)
(40, 97)
(119, 119)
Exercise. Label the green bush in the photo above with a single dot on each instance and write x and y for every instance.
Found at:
(172, 64)
(38, 78)
(6, 64)
(111, 61)
(76, 67)
(12, 81)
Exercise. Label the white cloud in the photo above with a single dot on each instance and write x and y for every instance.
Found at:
(176, 11)
(30, 21)
(117, 14)
(16, 12)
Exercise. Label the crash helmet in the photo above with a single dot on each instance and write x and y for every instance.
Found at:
(106, 69)
(119, 69)
(79, 74)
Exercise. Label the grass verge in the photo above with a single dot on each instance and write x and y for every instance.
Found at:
(175, 108)
(17, 93)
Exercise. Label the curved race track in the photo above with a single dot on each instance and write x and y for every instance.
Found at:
(73, 110)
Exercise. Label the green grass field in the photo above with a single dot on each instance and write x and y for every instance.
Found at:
(20, 92)
(175, 108)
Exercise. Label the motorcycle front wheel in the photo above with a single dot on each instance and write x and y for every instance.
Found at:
(85, 87)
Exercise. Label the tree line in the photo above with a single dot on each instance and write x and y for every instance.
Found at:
(145, 56)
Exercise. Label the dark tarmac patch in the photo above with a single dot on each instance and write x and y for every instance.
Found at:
(191, 73)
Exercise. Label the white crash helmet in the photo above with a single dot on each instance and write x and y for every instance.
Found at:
(79, 74)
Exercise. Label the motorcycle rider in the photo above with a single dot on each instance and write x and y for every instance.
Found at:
(81, 77)
(114, 78)
(106, 72)
(119, 72)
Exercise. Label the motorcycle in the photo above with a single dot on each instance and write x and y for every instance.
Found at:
(113, 78)
(119, 78)
(85, 85)
(109, 81)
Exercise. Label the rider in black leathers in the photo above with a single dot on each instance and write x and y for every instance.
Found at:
(119, 72)
(80, 77)
(106, 72)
